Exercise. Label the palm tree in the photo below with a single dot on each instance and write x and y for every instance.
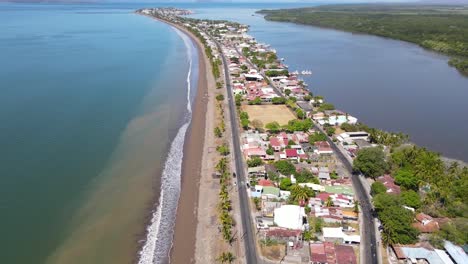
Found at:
(226, 257)
(329, 202)
(299, 193)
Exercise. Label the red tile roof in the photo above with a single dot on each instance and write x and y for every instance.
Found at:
(389, 182)
(264, 182)
(345, 255)
(291, 153)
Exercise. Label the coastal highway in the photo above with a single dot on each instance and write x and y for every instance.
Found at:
(368, 236)
(248, 235)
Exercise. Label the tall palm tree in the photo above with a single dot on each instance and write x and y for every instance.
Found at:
(329, 202)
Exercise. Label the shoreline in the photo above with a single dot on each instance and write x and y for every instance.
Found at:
(186, 222)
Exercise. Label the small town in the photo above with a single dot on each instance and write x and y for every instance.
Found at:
(320, 187)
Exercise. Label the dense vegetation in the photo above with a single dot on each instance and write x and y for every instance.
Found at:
(440, 28)
(427, 184)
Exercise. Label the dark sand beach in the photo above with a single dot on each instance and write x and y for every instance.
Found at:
(183, 249)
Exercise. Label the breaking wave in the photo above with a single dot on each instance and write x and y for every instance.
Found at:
(160, 231)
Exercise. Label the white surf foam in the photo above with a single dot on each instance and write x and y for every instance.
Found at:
(161, 228)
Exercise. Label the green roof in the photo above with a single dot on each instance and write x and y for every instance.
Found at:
(340, 189)
(271, 191)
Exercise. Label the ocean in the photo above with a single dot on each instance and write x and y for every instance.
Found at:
(95, 102)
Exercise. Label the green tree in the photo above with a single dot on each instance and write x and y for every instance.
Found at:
(223, 149)
(245, 123)
(370, 162)
(307, 235)
(305, 175)
(238, 99)
(330, 131)
(299, 193)
(220, 97)
(278, 100)
(244, 115)
(300, 114)
(217, 132)
(285, 167)
(377, 188)
(396, 220)
(287, 92)
(273, 127)
(329, 202)
(226, 257)
(285, 184)
(317, 136)
(270, 151)
(326, 106)
(411, 198)
(407, 179)
(254, 162)
(257, 124)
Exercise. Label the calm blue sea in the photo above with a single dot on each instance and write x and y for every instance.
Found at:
(79, 86)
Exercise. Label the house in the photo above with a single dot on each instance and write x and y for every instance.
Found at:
(323, 176)
(421, 254)
(328, 214)
(305, 106)
(329, 253)
(291, 154)
(278, 143)
(318, 116)
(340, 189)
(268, 208)
(339, 200)
(256, 171)
(322, 148)
(324, 173)
(456, 253)
(349, 137)
(265, 183)
(270, 192)
(300, 138)
(336, 234)
(255, 152)
(290, 216)
(426, 224)
(256, 191)
(350, 215)
(313, 186)
(283, 234)
(389, 183)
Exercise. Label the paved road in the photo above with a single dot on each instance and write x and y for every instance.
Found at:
(368, 241)
(248, 236)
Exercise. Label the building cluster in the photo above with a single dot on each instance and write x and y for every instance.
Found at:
(313, 210)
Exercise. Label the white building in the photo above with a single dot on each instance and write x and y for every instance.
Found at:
(334, 234)
(290, 216)
(349, 137)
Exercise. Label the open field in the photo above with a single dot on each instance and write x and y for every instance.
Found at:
(269, 113)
